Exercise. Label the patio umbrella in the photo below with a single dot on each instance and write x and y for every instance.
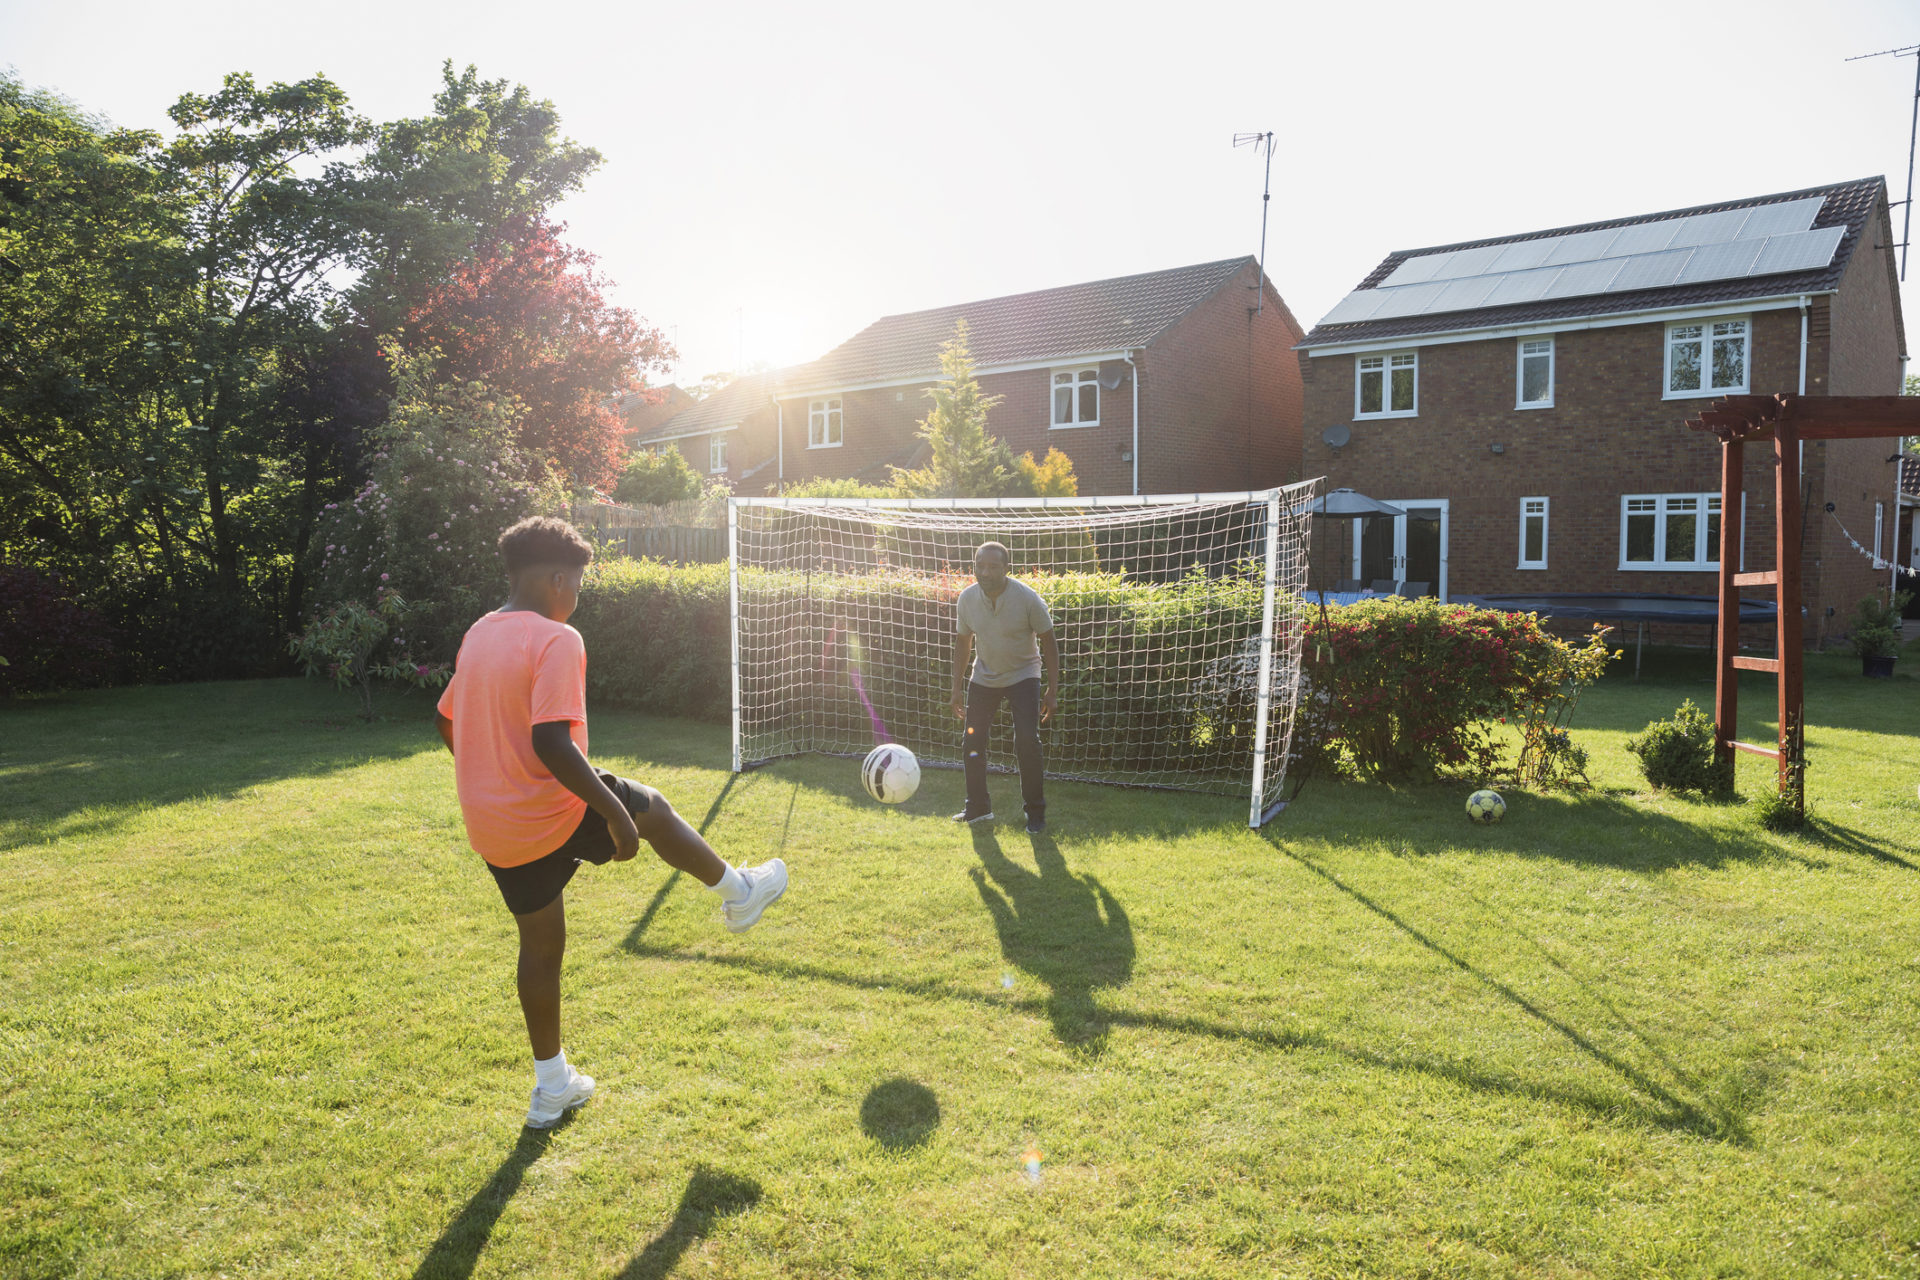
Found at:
(1345, 504)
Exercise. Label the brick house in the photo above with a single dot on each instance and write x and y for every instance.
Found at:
(642, 411)
(1524, 396)
(1201, 354)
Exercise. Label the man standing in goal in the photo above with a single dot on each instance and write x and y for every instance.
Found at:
(1008, 624)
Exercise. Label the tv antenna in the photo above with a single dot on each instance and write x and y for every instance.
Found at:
(1264, 141)
(1913, 129)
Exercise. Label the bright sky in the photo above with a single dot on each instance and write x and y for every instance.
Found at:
(778, 176)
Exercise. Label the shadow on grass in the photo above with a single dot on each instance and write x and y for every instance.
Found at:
(900, 1114)
(1707, 1119)
(710, 1196)
(645, 921)
(455, 1254)
(1831, 835)
(1665, 1111)
(1065, 930)
(91, 762)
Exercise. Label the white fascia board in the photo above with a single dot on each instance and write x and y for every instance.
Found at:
(934, 375)
(1617, 320)
(686, 435)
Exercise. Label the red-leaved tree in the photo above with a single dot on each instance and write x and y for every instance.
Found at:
(525, 315)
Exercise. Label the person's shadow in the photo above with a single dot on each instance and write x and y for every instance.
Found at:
(710, 1196)
(1065, 930)
(458, 1249)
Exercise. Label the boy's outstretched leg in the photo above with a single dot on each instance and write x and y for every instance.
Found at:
(744, 892)
(557, 1088)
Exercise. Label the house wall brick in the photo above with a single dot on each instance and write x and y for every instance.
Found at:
(1221, 396)
(1610, 432)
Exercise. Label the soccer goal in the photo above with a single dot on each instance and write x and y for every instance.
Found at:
(1178, 618)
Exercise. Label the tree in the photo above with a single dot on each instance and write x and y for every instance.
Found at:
(526, 316)
(966, 461)
(657, 479)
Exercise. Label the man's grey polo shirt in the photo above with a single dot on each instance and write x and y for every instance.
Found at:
(1003, 631)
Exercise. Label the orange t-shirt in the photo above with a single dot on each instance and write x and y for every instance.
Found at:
(515, 670)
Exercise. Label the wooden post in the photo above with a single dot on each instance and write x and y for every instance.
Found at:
(1726, 680)
(1791, 643)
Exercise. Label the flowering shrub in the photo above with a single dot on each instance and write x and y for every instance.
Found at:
(1410, 689)
(47, 640)
(446, 479)
(355, 645)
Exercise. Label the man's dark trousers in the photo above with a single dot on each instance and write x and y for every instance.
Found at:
(983, 703)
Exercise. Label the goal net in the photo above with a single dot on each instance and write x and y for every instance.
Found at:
(1178, 620)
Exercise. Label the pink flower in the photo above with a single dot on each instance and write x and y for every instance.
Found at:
(421, 671)
(383, 577)
(432, 537)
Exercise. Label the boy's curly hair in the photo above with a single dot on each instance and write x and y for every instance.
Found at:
(544, 540)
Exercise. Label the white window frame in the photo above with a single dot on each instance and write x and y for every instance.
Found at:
(1543, 512)
(1384, 363)
(1521, 356)
(826, 417)
(716, 454)
(1706, 509)
(1706, 331)
(1080, 377)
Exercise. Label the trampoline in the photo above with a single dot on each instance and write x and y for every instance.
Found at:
(1702, 610)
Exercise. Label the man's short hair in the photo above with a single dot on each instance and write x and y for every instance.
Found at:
(544, 540)
(1006, 556)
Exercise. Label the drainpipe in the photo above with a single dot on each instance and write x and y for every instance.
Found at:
(1134, 377)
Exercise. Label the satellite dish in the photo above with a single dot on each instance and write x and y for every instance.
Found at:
(1112, 381)
(1337, 434)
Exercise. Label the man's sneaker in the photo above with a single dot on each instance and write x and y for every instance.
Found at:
(765, 884)
(969, 816)
(1036, 823)
(545, 1110)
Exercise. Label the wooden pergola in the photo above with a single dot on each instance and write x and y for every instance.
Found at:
(1787, 420)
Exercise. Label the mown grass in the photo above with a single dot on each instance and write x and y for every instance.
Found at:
(259, 1017)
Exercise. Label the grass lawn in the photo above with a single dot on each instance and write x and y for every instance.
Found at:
(259, 1017)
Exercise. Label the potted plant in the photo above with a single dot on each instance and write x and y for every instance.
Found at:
(1876, 634)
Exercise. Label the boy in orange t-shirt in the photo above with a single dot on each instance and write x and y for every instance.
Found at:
(515, 718)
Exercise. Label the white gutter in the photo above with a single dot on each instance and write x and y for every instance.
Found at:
(1134, 377)
(1603, 320)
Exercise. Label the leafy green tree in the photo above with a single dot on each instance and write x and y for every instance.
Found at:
(1051, 477)
(966, 461)
(655, 479)
(91, 268)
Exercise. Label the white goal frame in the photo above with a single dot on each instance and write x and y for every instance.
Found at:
(1261, 541)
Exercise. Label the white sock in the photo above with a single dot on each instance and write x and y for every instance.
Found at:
(732, 886)
(551, 1073)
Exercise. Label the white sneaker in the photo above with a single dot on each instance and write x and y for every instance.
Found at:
(765, 884)
(545, 1110)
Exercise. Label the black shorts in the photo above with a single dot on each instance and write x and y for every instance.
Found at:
(532, 885)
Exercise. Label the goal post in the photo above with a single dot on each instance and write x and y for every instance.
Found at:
(1179, 619)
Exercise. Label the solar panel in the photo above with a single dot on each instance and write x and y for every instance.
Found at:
(1410, 300)
(1724, 261)
(1463, 295)
(1522, 286)
(1708, 228)
(1523, 256)
(1355, 307)
(1582, 246)
(1780, 219)
(1649, 270)
(1580, 278)
(1648, 237)
(1799, 251)
(1417, 270)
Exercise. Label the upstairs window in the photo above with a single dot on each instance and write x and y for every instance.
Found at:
(1534, 377)
(717, 453)
(1076, 397)
(823, 423)
(1670, 531)
(1386, 386)
(1533, 533)
(1707, 358)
